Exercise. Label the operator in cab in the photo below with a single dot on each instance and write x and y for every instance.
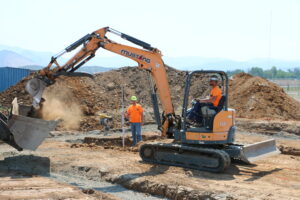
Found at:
(194, 114)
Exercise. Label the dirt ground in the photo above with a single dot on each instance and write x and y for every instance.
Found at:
(16, 185)
(269, 127)
(276, 177)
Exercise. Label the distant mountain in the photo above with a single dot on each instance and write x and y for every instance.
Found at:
(182, 63)
(12, 59)
(40, 58)
(34, 60)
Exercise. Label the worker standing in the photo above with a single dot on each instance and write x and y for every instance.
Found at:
(135, 114)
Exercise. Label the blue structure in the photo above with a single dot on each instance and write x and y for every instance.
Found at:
(10, 76)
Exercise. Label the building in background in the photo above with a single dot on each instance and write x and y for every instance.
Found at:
(9, 76)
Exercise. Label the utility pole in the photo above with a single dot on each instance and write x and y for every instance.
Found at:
(270, 42)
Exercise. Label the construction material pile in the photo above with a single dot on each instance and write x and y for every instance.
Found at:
(255, 97)
(17, 90)
(252, 97)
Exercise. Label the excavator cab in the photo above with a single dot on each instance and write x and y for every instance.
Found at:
(204, 118)
(215, 124)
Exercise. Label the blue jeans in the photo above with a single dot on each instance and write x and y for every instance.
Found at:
(195, 113)
(136, 130)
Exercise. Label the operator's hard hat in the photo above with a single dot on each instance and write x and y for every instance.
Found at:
(133, 98)
(214, 78)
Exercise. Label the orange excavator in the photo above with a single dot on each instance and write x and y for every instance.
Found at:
(207, 147)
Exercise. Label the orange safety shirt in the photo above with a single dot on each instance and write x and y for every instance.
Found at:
(216, 92)
(135, 113)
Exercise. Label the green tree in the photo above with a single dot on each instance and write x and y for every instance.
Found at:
(273, 72)
(256, 71)
(236, 71)
(296, 71)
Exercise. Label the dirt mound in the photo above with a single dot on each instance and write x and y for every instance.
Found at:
(17, 90)
(289, 150)
(254, 97)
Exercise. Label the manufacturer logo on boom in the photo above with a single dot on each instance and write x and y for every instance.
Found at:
(134, 55)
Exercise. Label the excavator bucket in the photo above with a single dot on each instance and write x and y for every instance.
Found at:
(29, 132)
(21, 131)
(259, 150)
(35, 87)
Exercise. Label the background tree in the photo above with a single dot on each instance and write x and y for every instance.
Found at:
(273, 73)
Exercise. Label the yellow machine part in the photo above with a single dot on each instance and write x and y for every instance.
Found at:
(223, 121)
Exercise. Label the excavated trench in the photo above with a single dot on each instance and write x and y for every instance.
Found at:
(132, 182)
(92, 182)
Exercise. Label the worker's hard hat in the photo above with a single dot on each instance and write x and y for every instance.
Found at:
(133, 98)
(214, 78)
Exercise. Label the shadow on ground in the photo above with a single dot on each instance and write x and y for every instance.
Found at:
(25, 164)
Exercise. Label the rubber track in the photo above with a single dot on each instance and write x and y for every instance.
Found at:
(221, 156)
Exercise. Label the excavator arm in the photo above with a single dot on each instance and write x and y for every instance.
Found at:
(148, 58)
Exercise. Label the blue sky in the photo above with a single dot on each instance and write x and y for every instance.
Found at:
(232, 29)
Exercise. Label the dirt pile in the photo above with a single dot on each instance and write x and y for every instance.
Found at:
(18, 91)
(254, 97)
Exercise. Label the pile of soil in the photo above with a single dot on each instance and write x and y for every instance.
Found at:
(252, 97)
(255, 97)
(18, 91)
